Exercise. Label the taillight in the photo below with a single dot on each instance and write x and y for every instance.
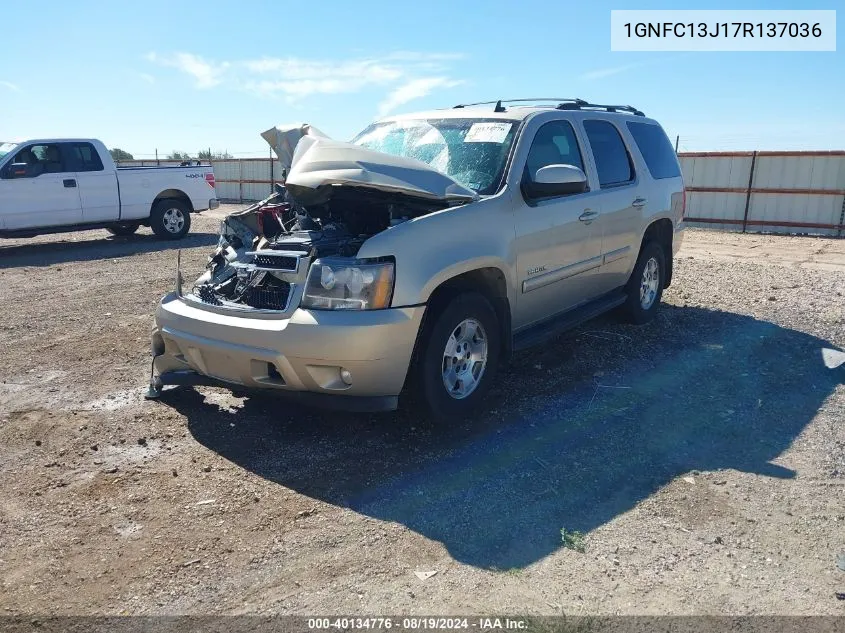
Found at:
(209, 178)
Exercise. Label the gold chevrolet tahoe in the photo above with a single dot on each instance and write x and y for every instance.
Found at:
(422, 253)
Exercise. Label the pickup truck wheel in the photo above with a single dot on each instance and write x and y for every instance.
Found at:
(123, 229)
(645, 287)
(170, 219)
(459, 357)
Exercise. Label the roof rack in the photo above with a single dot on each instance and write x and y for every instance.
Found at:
(583, 105)
(563, 104)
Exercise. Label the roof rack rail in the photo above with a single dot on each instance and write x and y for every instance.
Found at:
(581, 105)
(564, 103)
(499, 102)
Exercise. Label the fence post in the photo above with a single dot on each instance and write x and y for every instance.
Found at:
(748, 190)
(241, 179)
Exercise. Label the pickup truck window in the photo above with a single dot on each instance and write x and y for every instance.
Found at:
(40, 159)
(554, 144)
(472, 151)
(82, 157)
(656, 149)
(612, 160)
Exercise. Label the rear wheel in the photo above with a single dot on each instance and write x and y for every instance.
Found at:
(645, 287)
(459, 356)
(170, 219)
(123, 229)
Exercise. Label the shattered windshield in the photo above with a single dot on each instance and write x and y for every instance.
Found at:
(5, 148)
(471, 151)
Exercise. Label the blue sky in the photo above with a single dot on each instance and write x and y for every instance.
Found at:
(191, 75)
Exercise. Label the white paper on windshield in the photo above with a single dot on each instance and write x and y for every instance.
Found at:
(487, 132)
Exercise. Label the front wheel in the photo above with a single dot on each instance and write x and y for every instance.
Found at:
(123, 229)
(170, 219)
(645, 288)
(459, 356)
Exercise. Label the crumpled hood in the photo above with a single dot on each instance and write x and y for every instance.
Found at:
(283, 139)
(319, 162)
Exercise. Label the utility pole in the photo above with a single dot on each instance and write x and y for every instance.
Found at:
(677, 138)
(157, 163)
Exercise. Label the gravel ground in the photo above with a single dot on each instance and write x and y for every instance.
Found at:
(702, 457)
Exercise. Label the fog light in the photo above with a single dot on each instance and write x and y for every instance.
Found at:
(346, 376)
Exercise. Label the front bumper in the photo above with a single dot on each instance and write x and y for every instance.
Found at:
(303, 353)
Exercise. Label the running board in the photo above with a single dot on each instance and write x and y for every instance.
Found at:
(550, 328)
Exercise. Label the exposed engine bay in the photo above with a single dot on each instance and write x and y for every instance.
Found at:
(268, 246)
(336, 196)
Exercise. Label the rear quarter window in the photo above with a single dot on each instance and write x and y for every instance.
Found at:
(82, 157)
(656, 149)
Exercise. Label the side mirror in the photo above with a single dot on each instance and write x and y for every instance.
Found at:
(555, 180)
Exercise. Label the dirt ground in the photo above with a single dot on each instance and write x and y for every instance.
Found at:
(702, 457)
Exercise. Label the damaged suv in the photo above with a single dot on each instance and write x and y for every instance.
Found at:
(421, 254)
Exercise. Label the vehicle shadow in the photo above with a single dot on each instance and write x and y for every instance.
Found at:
(576, 434)
(100, 245)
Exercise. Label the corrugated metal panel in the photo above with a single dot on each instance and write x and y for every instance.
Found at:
(226, 170)
(720, 206)
(794, 209)
(718, 171)
(800, 172)
(228, 191)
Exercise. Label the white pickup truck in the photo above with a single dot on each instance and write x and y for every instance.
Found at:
(60, 185)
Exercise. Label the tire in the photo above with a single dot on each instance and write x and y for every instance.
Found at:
(645, 291)
(170, 219)
(464, 314)
(123, 229)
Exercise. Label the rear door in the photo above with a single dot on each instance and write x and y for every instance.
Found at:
(43, 194)
(557, 245)
(98, 191)
(622, 202)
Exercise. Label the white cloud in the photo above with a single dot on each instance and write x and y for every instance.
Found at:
(148, 78)
(414, 89)
(10, 86)
(206, 74)
(398, 77)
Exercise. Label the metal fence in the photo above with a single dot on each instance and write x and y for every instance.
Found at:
(773, 192)
(776, 192)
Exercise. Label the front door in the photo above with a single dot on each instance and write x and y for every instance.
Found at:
(43, 193)
(558, 240)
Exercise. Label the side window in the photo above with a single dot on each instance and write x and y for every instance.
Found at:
(554, 144)
(656, 149)
(39, 159)
(82, 157)
(612, 160)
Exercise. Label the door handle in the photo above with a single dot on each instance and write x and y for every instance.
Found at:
(639, 202)
(69, 182)
(588, 216)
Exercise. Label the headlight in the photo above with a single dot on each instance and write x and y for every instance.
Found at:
(337, 283)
